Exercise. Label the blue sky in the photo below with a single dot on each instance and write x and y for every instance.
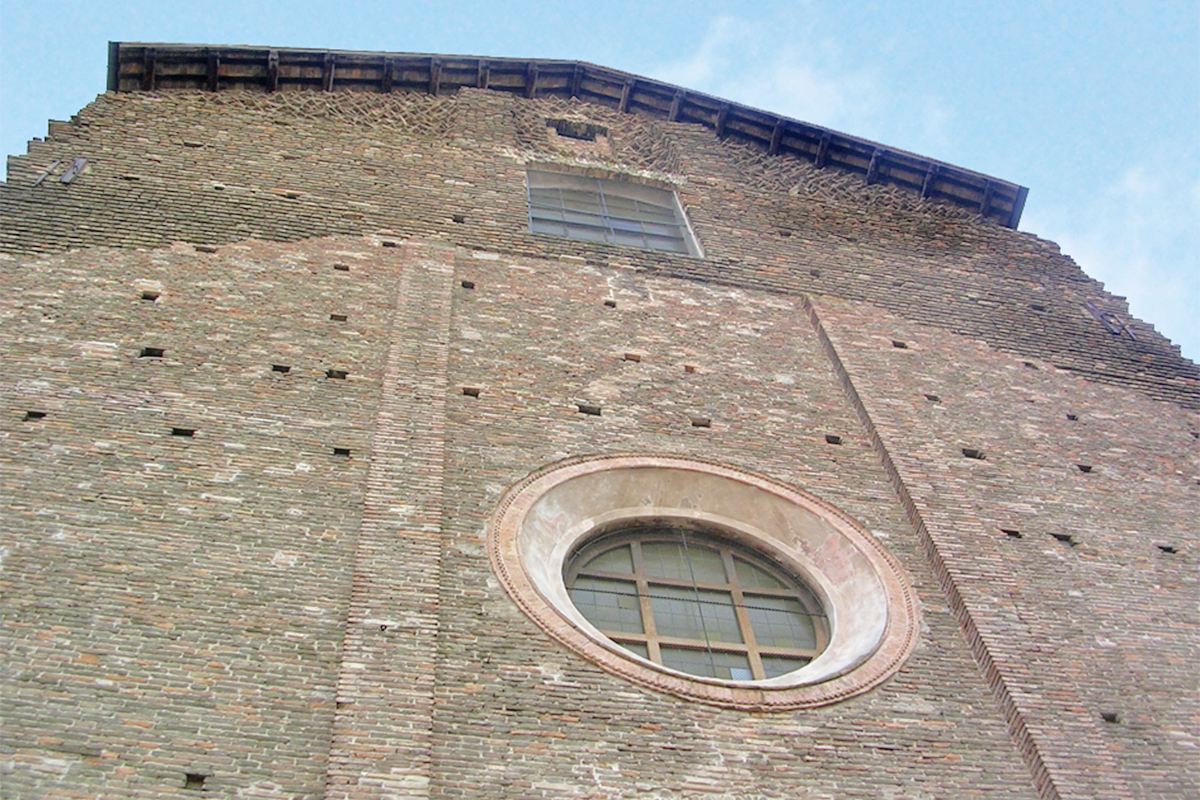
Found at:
(1093, 105)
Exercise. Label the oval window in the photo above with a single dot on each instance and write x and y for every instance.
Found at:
(696, 604)
(705, 581)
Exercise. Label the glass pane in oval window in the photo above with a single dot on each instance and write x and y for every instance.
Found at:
(774, 666)
(637, 648)
(710, 663)
(670, 594)
(609, 605)
(703, 615)
(780, 622)
(751, 577)
(619, 559)
(673, 560)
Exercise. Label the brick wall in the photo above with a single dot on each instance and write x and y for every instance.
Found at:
(202, 167)
(177, 603)
(251, 606)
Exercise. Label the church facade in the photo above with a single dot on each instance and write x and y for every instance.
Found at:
(409, 426)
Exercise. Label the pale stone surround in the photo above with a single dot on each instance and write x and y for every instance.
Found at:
(869, 601)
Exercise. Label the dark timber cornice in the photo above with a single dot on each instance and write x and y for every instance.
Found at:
(136, 67)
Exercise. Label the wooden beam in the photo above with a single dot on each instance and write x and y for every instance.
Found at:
(673, 116)
(435, 76)
(531, 76)
(214, 70)
(149, 65)
(389, 75)
(987, 198)
(114, 66)
(1014, 218)
(483, 74)
(626, 91)
(927, 184)
(823, 149)
(327, 76)
(722, 117)
(776, 138)
(576, 79)
(873, 167)
(273, 71)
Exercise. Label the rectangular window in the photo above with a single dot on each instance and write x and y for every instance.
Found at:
(608, 211)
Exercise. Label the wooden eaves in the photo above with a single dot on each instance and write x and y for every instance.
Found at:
(136, 67)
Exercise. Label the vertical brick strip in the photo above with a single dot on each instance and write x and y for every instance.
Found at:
(1048, 720)
(382, 726)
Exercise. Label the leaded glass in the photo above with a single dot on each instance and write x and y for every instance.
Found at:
(612, 211)
(780, 622)
(709, 663)
(695, 603)
(673, 560)
(619, 560)
(609, 605)
(774, 666)
(752, 577)
(694, 614)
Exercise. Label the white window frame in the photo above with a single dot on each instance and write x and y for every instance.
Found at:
(608, 211)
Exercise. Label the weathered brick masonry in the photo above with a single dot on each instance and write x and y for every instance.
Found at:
(296, 600)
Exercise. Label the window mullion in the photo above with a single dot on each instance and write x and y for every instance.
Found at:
(687, 557)
(697, 644)
(643, 590)
(743, 618)
(604, 210)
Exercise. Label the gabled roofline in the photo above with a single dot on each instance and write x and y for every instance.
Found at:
(163, 67)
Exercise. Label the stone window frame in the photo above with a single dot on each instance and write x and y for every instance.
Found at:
(614, 226)
(872, 607)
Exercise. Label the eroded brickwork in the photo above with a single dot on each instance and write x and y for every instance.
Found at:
(176, 604)
(1071, 579)
(520, 717)
(200, 167)
(295, 600)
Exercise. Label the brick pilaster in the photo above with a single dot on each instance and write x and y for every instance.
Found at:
(382, 727)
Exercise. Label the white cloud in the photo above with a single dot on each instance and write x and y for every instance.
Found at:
(797, 75)
(935, 124)
(1138, 235)
(790, 69)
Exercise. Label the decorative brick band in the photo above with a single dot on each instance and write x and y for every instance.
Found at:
(382, 727)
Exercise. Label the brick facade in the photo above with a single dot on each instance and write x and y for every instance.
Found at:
(296, 600)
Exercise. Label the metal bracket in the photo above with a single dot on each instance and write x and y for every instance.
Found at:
(531, 76)
(722, 117)
(822, 150)
(873, 167)
(389, 74)
(73, 171)
(626, 93)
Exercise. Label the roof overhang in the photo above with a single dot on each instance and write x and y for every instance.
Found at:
(163, 67)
